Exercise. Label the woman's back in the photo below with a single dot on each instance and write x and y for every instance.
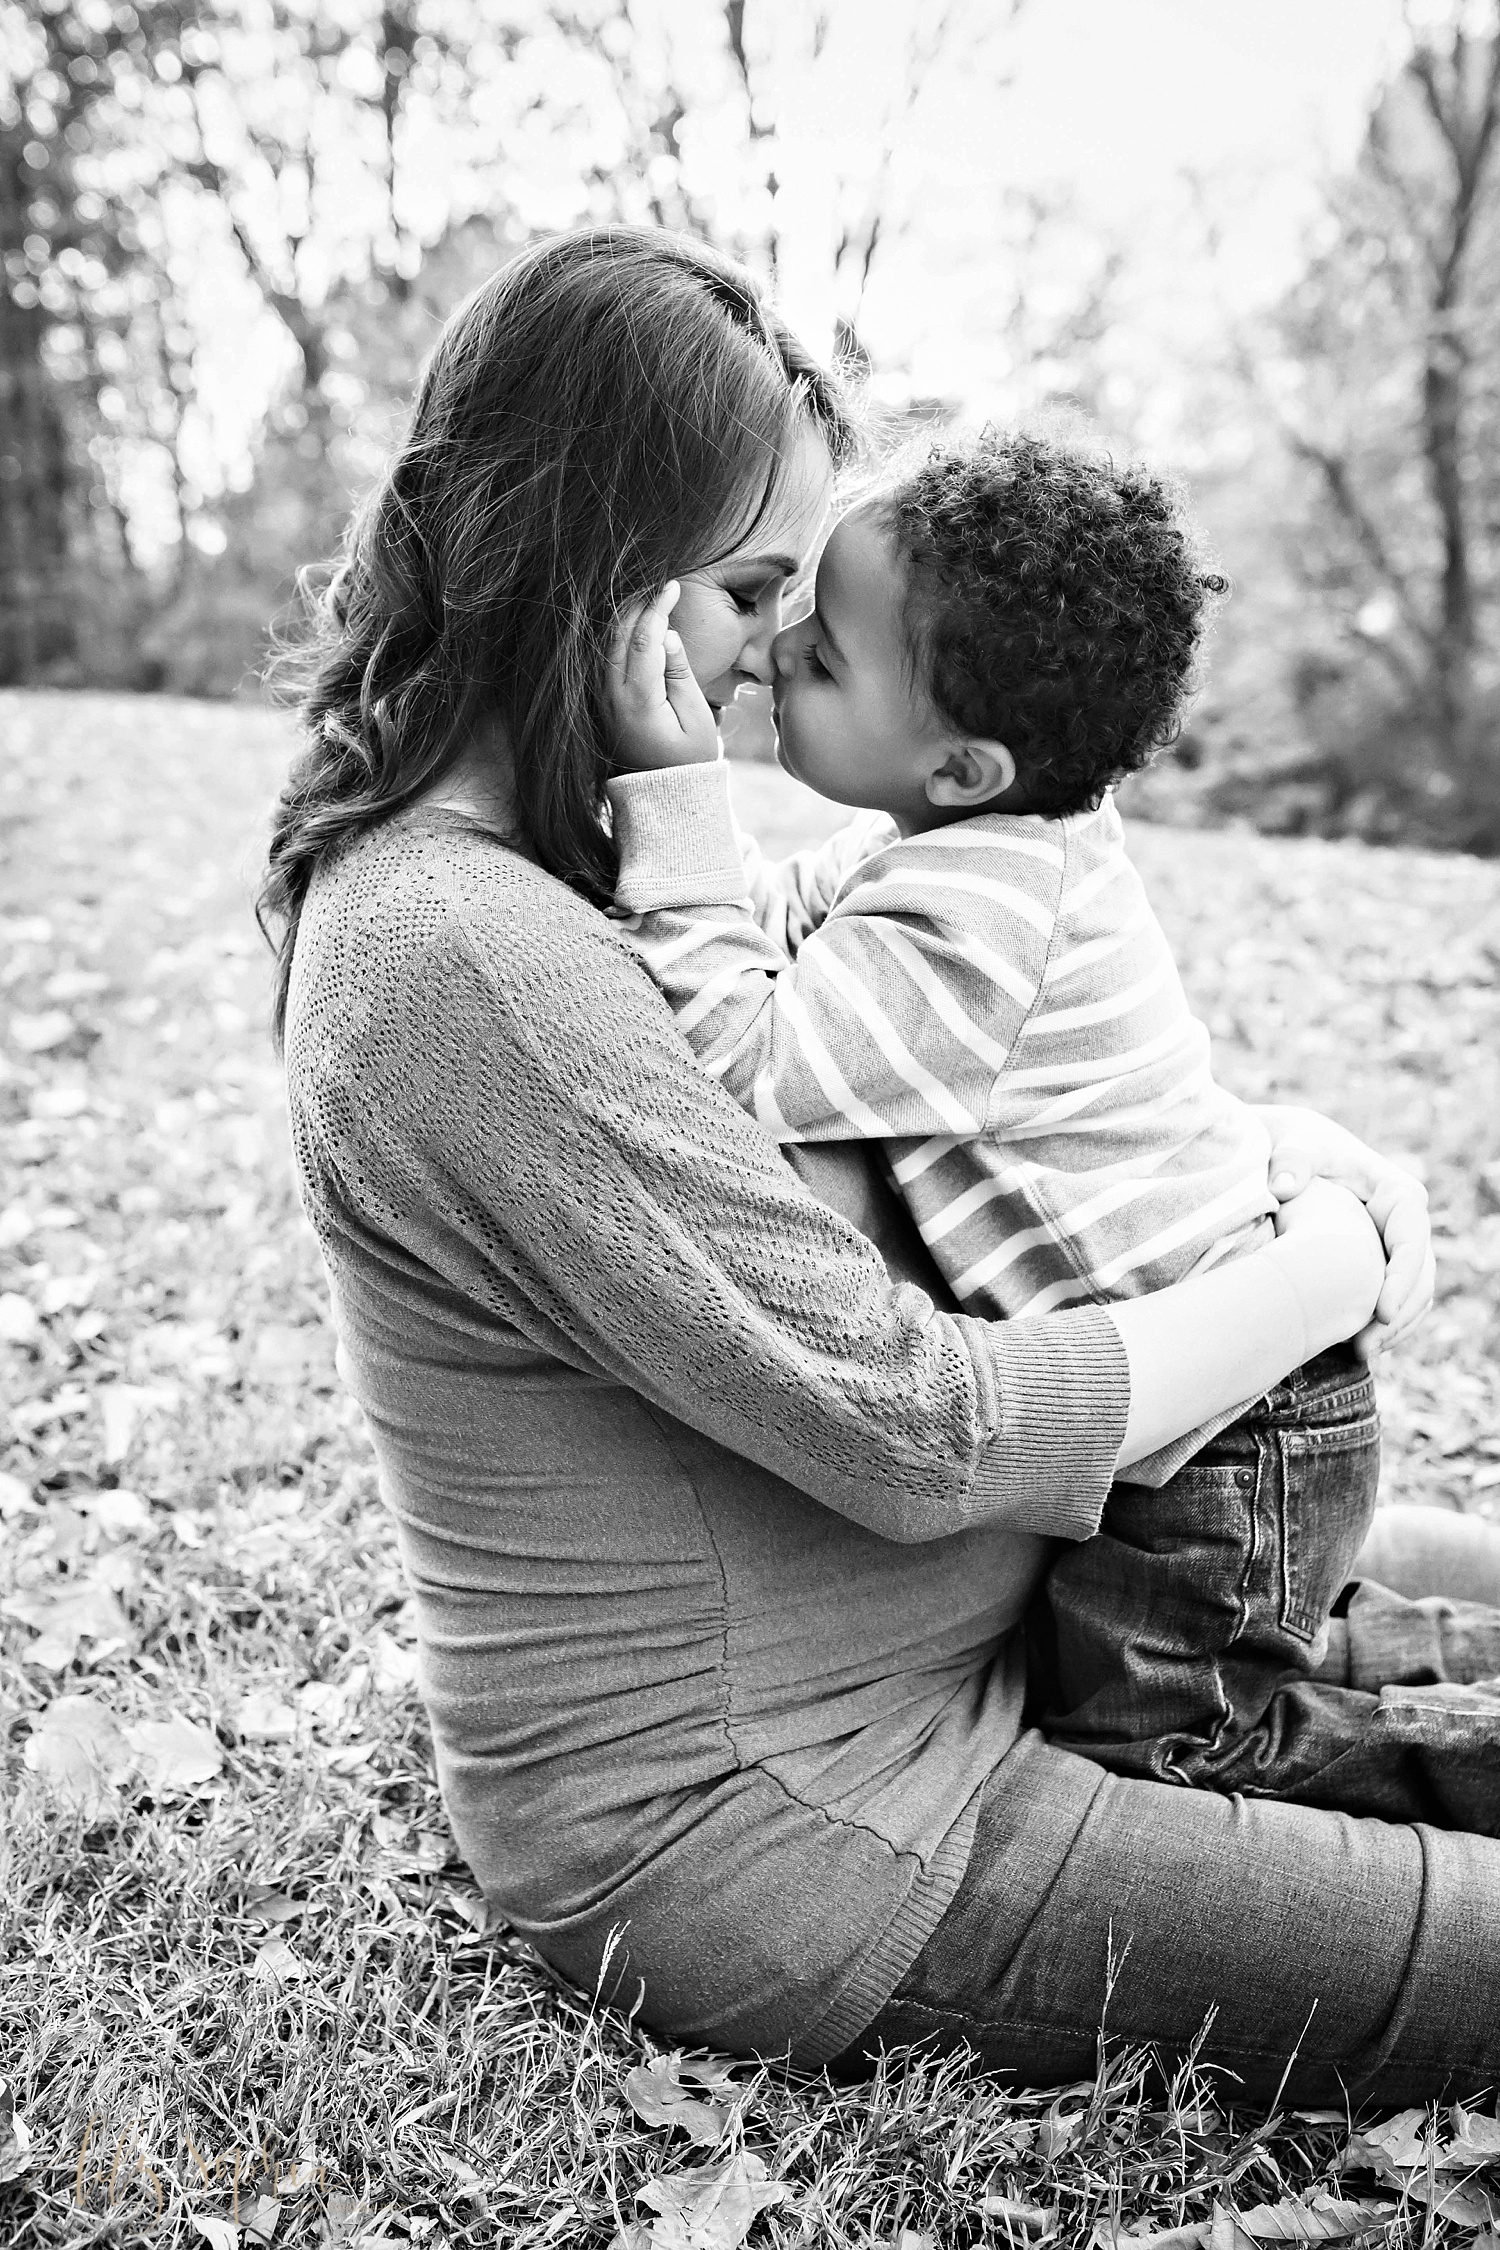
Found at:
(640, 1646)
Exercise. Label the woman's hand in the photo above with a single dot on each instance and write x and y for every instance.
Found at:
(1307, 1147)
(657, 712)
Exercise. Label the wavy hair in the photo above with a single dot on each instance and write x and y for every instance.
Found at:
(609, 409)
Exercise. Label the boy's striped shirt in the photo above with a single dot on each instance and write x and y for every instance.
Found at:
(994, 1000)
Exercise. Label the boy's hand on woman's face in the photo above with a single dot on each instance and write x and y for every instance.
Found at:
(657, 711)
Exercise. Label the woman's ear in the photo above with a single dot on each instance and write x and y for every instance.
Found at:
(974, 770)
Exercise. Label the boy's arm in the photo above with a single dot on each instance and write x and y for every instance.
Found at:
(898, 1012)
(790, 898)
(660, 723)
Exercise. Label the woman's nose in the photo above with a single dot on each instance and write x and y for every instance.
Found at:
(755, 656)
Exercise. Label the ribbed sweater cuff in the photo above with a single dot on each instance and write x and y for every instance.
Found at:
(675, 833)
(1062, 1399)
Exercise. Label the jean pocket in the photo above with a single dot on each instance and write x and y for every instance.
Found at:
(1329, 1475)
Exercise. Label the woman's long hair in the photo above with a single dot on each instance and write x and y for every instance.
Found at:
(608, 410)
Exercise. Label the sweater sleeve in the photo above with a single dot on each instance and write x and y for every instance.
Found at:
(678, 841)
(532, 1128)
(899, 1010)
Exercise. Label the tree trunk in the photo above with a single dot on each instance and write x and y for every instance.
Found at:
(37, 472)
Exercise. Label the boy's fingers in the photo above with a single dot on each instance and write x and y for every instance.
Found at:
(623, 637)
(1291, 1169)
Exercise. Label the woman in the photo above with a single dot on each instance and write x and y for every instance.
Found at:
(721, 1532)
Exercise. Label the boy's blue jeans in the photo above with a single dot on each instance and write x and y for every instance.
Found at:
(1194, 1639)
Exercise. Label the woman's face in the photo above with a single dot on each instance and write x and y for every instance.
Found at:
(729, 613)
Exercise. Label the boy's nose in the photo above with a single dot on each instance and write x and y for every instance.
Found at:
(782, 649)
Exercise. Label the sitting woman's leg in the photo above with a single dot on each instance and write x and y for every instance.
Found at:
(1416, 1551)
(1367, 1950)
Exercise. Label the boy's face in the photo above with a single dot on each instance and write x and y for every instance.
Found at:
(850, 722)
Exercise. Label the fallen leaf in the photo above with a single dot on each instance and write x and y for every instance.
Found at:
(174, 1755)
(1058, 2130)
(261, 2219)
(1467, 2202)
(1106, 2237)
(15, 2136)
(266, 1904)
(352, 1756)
(1029, 2217)
(1397, 2142)
(90, 1609)
(713, 2071)
(1476, 2140)
(63, 1405)
(1322, 2218)
(713, 2207)
(276, 1963)
(117, 1513)
(59, 1101)
(19, 1320)
(656, 2093)
(264, 1717)
(465, 2179)
(219, 2234)
(76, 984)
(125, 1406)
(323, 1702)
(80, 1754)
(15, 1497)
(393, 1669)
(38, 1035)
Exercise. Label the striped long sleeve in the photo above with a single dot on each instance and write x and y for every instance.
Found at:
(845, 993)
(995, 1001)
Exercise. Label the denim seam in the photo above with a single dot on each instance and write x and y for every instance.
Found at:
(1050, 2025)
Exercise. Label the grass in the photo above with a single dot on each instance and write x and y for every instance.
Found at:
(285, 1964)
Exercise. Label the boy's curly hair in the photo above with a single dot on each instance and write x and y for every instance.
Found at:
(1054, 603)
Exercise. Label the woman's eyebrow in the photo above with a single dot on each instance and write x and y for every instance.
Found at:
(769, 566)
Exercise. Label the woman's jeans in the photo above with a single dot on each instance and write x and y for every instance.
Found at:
(1364, 1953)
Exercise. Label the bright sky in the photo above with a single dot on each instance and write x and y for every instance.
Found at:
(1109, 103)
(1117, 102)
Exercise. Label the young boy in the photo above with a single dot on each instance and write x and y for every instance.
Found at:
(971, 974)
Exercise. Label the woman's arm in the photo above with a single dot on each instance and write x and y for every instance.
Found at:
(529, 1127)
(1229, 1334)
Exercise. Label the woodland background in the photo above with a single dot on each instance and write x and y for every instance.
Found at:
(231, 228)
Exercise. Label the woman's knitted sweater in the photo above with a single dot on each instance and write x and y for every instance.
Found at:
(719, 1535)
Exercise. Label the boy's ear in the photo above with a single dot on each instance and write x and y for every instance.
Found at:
(974, 770)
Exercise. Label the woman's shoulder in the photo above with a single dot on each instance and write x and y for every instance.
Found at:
(433, 879)
(434, 917)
